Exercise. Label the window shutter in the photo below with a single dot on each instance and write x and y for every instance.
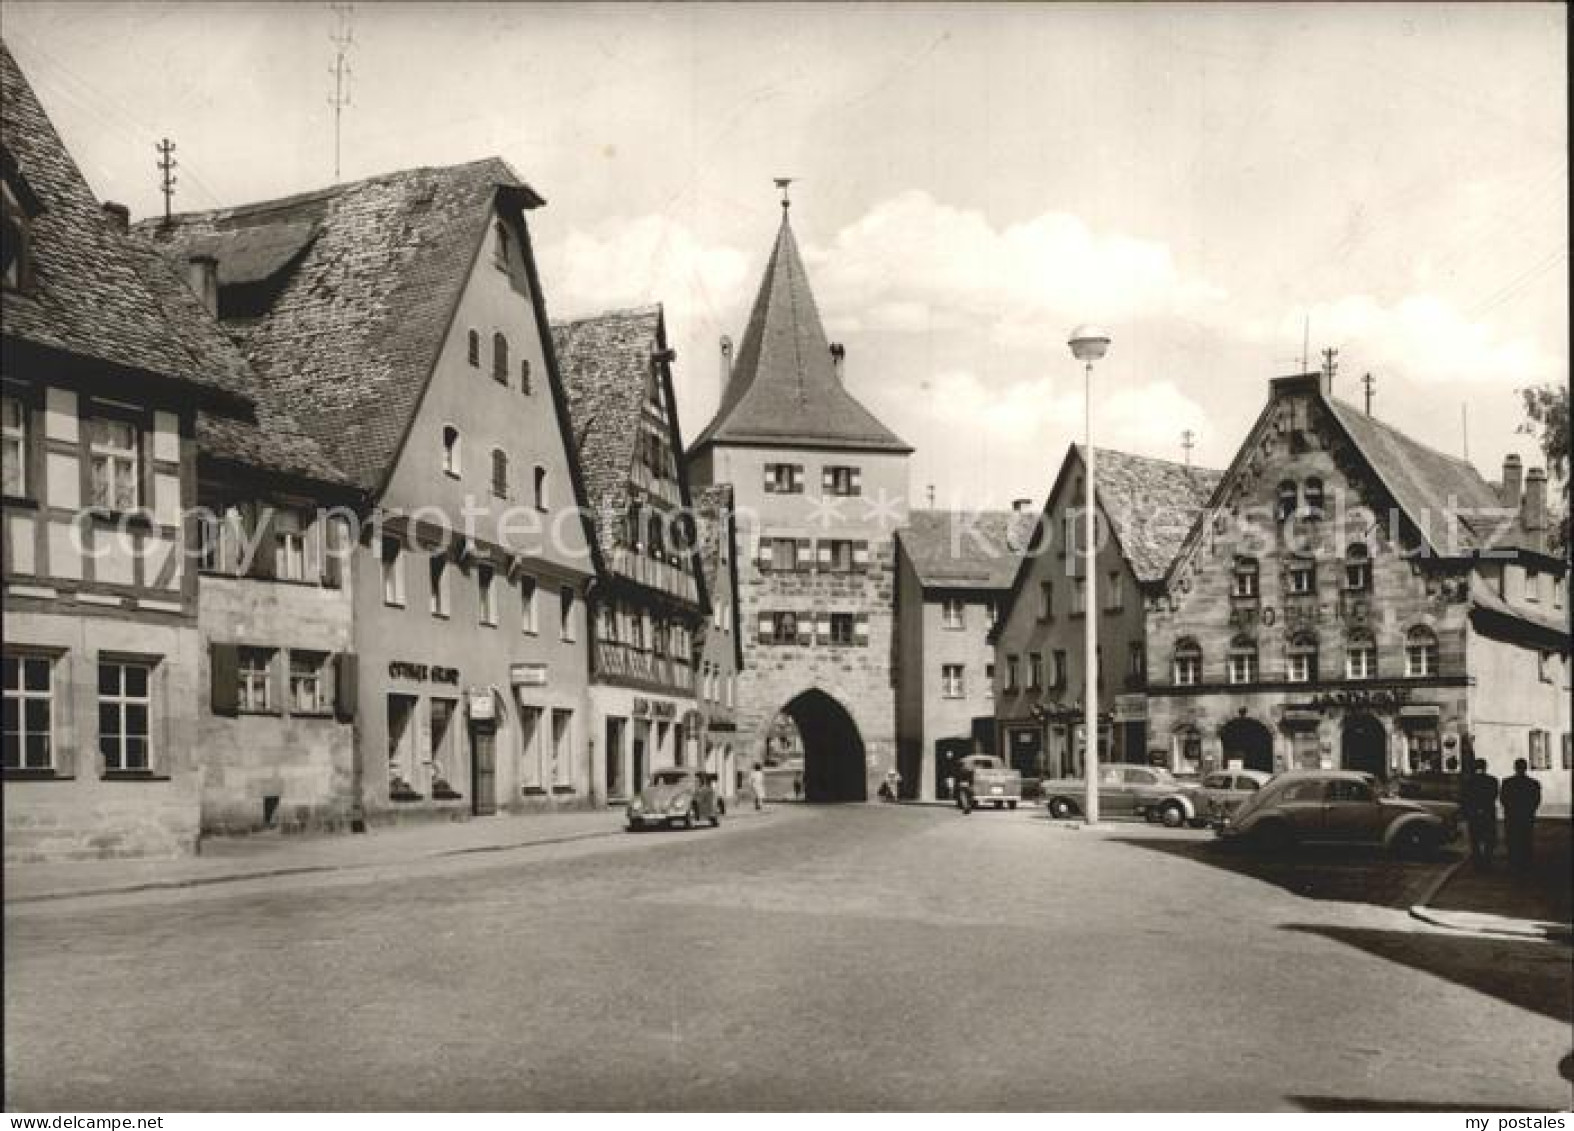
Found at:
(259, 530)
(805, 555)
(822, 553)
(231, 536)
(224, 662)
(770, 481)
(765, 555)
(827, 479)
(861, 629)
(805, 631)
(861, 555)
(767, 628)
(333, 543)
(822, 627)
(797, 479)
(345, 683)
(857, 481)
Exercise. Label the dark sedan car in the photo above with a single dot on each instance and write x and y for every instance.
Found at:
(677, 795)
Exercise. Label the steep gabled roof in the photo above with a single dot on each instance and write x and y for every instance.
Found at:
(352, 291)
(1152, 505)
(87, 296)
(1430, 485)
(607, 362)
(268, 438)
(965, 550)
(784, 389)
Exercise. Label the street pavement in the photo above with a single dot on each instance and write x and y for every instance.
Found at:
(850, 957)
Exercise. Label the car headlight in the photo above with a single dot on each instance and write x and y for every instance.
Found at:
(679, 803)
(635, 805)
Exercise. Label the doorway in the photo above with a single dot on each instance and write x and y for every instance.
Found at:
(1364, 746)
(1248, 742)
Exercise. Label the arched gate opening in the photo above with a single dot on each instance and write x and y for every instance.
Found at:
(833, 750)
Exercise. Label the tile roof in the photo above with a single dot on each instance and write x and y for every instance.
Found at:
(784, 389)
(1152, 504)
(88, 297)
(267, 437)
(366, 278)
(1531, 625)
(605, 363)
(1430, 485)
(966, 549)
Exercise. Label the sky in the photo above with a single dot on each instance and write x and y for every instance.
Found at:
(1219, 186)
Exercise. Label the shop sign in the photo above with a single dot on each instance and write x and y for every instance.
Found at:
(404, 669)
(654, 708)
(527, 675)
(483, 706)
(1131, 708)
(1381, 698)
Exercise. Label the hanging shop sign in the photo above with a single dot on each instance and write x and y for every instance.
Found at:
(654, 708)
(527, 675)
(483, 705)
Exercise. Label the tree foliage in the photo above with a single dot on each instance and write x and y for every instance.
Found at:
(1547, 406)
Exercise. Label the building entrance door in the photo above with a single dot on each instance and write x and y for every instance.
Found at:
(483, 767)
(1249, 742)
(1364, 746)
(613, 755)
(637, 758)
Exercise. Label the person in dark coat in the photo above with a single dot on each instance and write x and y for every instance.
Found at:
(1480, 809)
(1521, 797)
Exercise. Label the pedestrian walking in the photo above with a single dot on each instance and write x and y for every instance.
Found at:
(1480, 796)
(757, 785)
(1521, 797)
(797, 787)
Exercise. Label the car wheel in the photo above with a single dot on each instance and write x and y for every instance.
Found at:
(1060, 808)
(688, 819)
(1273, 837)
(1173, 816)
(715, 820)
(1011, 804)
(1415, 841)
(998, 805)
(632, 827)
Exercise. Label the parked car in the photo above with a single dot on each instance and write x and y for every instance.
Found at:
(678, 795)
(1338, 806)
(1126, 791)
(1221, 792)
(992, 781)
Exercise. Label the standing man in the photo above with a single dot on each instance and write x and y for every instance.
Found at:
(1521, 797)
(757, 785)
(1480, 806)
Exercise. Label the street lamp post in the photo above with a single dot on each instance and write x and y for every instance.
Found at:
(1089, 344)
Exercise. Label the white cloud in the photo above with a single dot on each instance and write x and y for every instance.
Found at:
(911, 263)
(1421, 337)
(632, 262)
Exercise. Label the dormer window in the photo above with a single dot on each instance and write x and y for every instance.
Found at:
(16, 251)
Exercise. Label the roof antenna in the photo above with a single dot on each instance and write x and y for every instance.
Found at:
(782, 183)
(1371, 387)
(343, 37)
(1188, 441)
(166, 168)
(1330, 365)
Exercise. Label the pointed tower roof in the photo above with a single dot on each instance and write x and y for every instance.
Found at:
(784, 390)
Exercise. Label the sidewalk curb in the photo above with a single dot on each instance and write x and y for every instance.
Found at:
(308, 869)
(1481, 924)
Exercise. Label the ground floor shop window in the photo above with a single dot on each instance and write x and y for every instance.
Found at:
(125, 710)
(1305, 748)
(1424, 750)
(614, 757)
(562, 748)
(530, 749)
(441, 732)
(29, 713)
(401, 747)
(1187, 748)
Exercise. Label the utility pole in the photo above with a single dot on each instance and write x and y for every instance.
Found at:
(1188, 442)
(1371, 385)
(167, 178)
(1330, 364)
(343, 37)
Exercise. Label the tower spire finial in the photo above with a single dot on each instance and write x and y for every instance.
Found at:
(782, 183)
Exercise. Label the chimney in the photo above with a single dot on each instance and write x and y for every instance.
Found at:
(1022, 506)
(1533, 513)
(118, 217)
(726, 363)
(202, 276)
(838, 355)
(1511, 482)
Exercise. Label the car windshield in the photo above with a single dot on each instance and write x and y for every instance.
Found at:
(671, 777)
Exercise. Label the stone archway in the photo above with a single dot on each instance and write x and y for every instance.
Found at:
(833, 750)
(1363, 745)
(1250, 742)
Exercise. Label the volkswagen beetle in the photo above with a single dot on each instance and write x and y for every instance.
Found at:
(677, 795)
